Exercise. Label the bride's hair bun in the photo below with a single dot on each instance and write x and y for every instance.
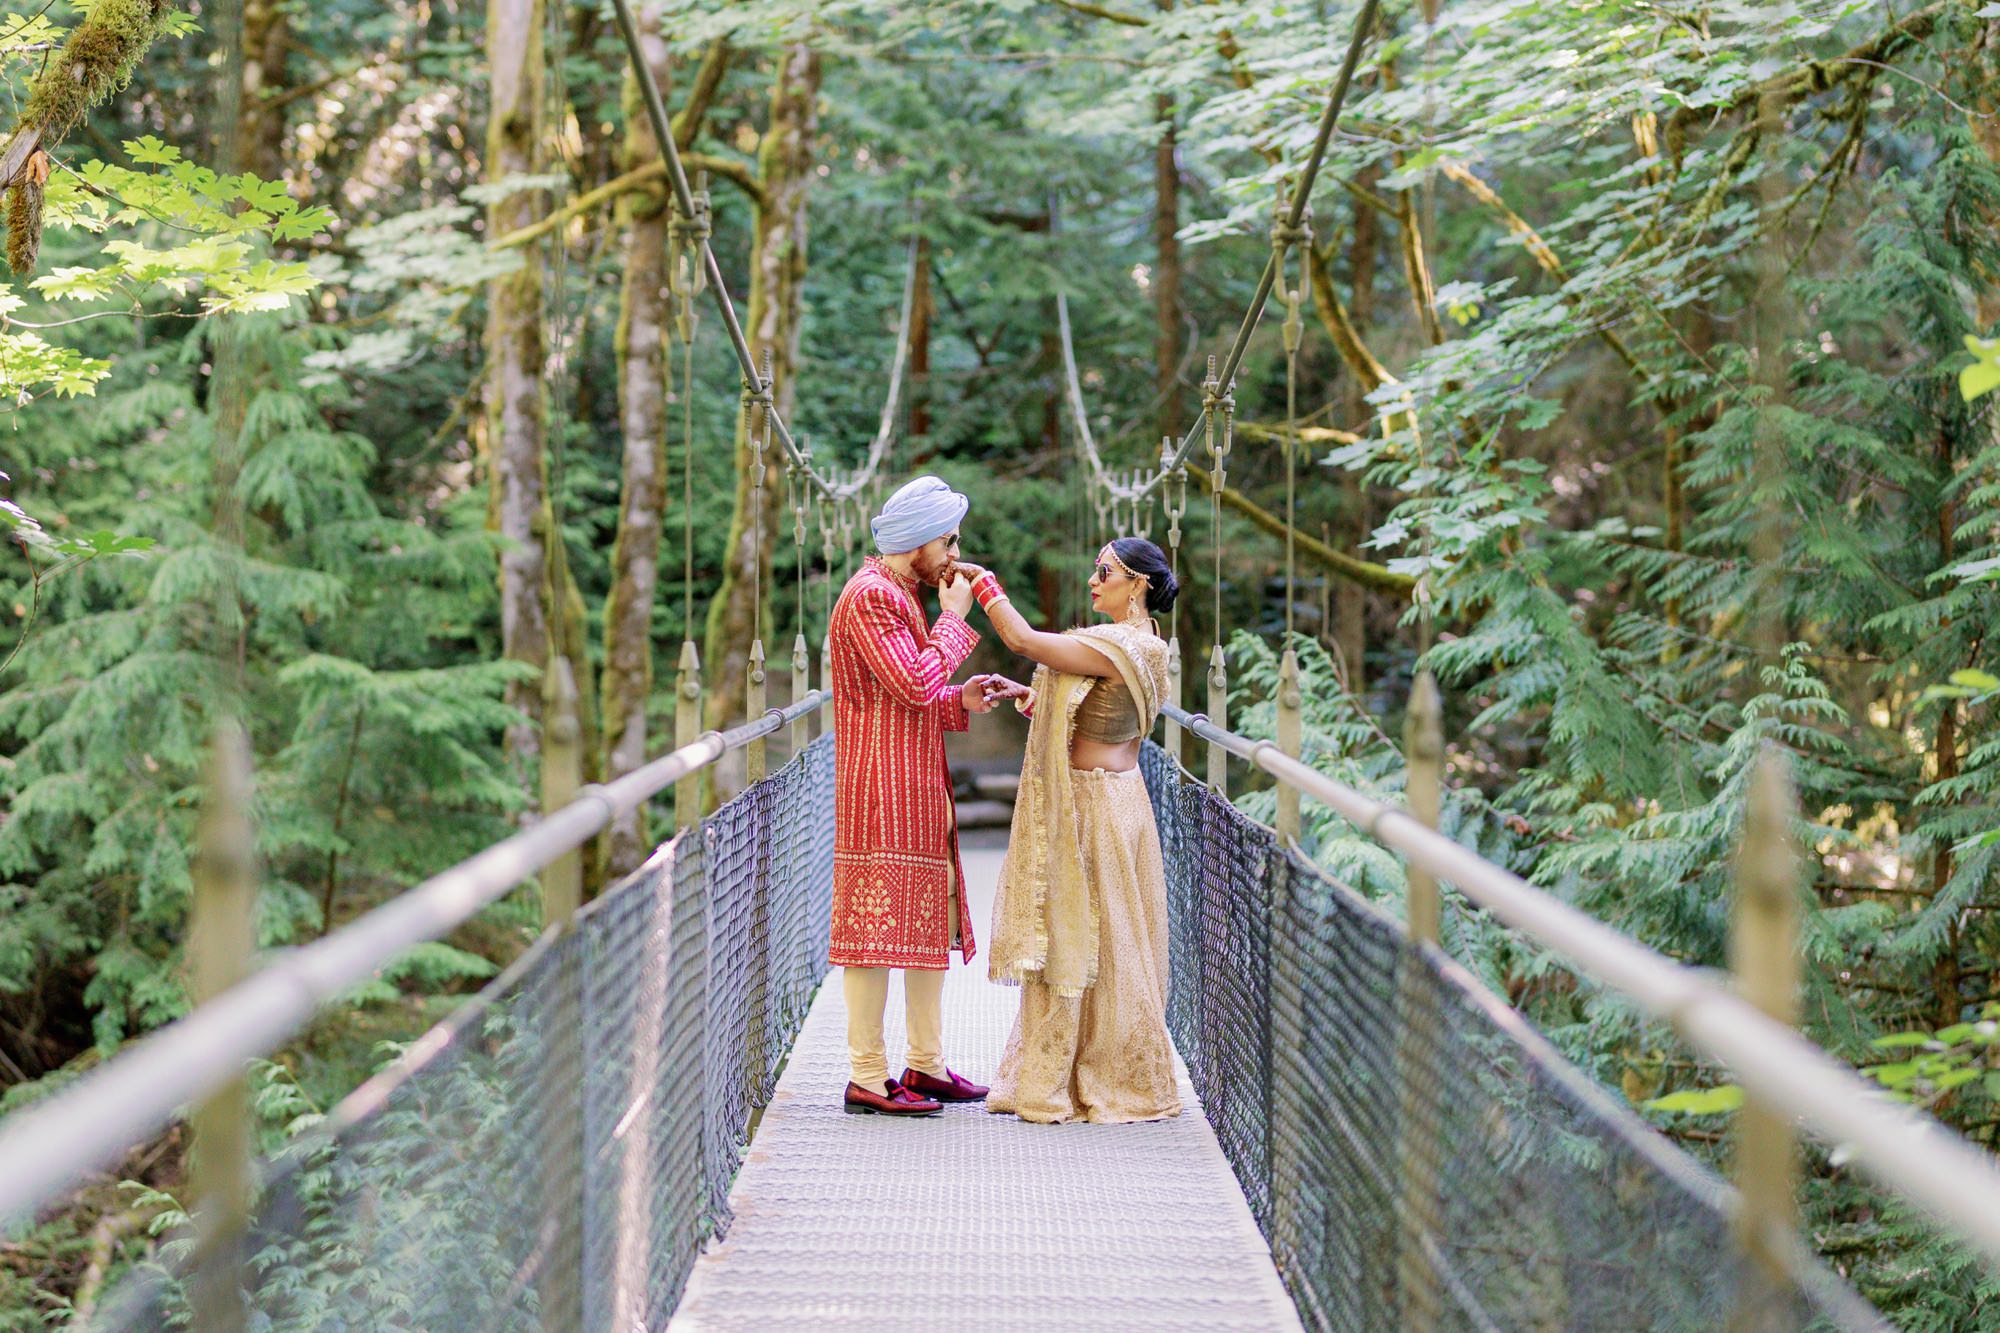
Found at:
(1150, 562)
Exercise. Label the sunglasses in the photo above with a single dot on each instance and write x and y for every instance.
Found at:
(1103, 572)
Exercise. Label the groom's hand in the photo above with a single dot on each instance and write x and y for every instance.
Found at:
(973, 692)
(956, 595)
(982, 692)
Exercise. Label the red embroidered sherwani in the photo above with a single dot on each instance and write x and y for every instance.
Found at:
(895, 843)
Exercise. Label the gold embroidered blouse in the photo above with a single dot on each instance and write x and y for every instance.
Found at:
(1108, 715)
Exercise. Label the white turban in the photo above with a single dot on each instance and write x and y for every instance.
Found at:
(920, 511)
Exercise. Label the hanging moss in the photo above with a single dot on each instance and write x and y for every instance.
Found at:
(24, 225)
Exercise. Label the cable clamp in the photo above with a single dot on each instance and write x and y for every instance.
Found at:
(691, 231)
(1284, 236)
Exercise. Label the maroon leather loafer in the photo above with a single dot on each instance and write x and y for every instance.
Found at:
(899, 1101)
(951, 1088)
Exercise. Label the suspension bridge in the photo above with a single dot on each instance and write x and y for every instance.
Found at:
(635, 1126)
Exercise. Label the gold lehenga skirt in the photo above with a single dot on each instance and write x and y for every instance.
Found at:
(1104, 1056)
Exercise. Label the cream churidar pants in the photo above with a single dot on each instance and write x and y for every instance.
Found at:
(867, 992)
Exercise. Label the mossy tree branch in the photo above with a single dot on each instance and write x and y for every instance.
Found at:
(639, 179)
(96, 61)
(1364, 573)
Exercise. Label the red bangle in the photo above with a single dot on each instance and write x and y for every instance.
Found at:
(987, 589)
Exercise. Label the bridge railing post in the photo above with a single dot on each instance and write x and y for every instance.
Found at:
(1419, 1166)
(1423, 746)
(1291, 735)
(1218, 713)
(222, 939)
(1173, 495)
(687, 730)
(755, 697)
(562, 776)
(561, 1152)
(826, 683)
(801, 686)
(1764, 956)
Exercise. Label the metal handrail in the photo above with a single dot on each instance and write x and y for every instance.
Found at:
(50, 1146)
(1903, 1150)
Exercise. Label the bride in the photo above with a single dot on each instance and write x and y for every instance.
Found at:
(1080, 920)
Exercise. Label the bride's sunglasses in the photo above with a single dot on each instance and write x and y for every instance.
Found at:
(1103, 572)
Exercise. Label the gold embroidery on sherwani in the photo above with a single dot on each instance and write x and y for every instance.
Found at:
(1079, 922)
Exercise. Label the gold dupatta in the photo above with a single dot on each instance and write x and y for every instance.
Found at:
(1044, 922)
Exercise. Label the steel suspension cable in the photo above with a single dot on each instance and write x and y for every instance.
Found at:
(687, 483)
(1294, 334)
(1292, 221)
(758, 447)
(759, 388)
(686, 279)
(757, 385)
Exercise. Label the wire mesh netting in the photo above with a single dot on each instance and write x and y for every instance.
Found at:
(506, 1175)
(1416, 1155)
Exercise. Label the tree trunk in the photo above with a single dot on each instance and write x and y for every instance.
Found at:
(1945, 973)
(517, 413)
(252, 134)
(1985, 124)
(1171, 416)
(641, 348)
(260, 130)
(921, 311)
(777, 279)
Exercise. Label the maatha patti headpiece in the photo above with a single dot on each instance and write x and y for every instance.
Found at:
(1111, 554)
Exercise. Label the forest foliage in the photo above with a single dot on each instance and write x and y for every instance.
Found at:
(252, 399)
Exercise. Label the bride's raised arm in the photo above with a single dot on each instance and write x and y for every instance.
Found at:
(1058, 652)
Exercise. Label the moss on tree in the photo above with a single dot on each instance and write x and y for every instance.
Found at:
(95, 62)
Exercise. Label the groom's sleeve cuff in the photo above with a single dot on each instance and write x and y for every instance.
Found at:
(954, 638)
(951, 710)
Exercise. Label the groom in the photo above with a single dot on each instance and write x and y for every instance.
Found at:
(898, 889)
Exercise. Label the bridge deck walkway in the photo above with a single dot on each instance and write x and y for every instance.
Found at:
(970, 1220)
